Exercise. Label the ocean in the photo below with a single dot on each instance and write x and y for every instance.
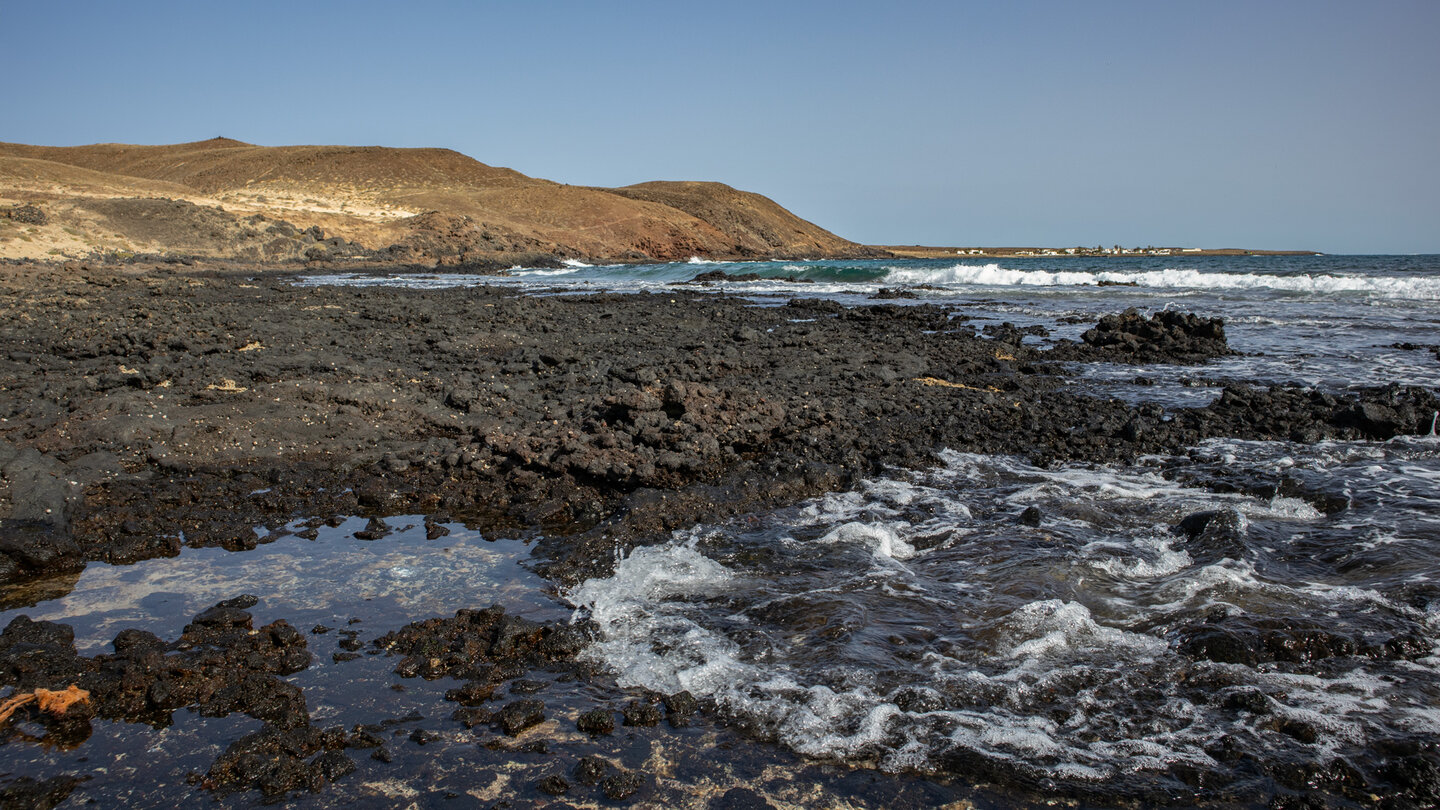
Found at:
(1328, 321)
(916, 625)
(1238, 619)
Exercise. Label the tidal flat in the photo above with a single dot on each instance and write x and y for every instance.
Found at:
(365, 545)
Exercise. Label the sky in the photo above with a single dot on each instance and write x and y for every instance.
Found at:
(1300, 124)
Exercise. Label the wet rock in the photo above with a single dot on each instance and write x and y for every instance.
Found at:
(713, 276)
(892, 293)
(1297, 729)
(680, 708)
(1214, 535)
(515, 634)
(641, 713)
(591, 769)
(434, 530)
(1011, 334)
(471, 694)
(472, 716)
(1217, 644)
(1248, 700)
(1415, 777)
(740, 799)
(26, 793)
(219, 665)
(1299, 644)
(1409, 647)
(270, 761)
(1242, 640)
(473, 642)
(1166, 337)
(31, 548)
(534, 747)
(519, 715)
(596, 722)
(527, 686)
(616, 422)
(1225, 749)
(1031, 516)
(362, 738)
(375, 529)
(334, 765)
(580, 405)
(220, 617)
(622, 785)
(554, 785)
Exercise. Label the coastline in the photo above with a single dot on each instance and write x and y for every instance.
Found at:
(928, 252)
(147, 414)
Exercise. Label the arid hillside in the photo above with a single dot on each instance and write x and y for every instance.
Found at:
(224, 199)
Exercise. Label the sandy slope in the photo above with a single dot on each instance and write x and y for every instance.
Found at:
(432, 206)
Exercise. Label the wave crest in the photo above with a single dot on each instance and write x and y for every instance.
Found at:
(994, 275)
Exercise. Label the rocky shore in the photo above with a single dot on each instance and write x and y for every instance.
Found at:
(145, 412)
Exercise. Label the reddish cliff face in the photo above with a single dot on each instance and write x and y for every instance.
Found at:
(413, 205)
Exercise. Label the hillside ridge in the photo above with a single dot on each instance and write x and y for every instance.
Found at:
(225, 199)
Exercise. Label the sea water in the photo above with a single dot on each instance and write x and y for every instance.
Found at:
(1329, 321)
(926, 625)
(917, 625)
(917, 622)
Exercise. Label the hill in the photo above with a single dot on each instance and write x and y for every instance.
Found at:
(223, 198)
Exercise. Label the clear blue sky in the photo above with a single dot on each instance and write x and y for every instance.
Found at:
(1266, 123)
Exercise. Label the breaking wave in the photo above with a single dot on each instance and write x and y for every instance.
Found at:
(1413, 287)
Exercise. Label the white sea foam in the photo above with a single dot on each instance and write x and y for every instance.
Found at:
(568, 269)
(1288, 509)
(1049, 628)
(629, 606)
(882, 540)
(1410, 287)
(1144, 558)
(1066, 686)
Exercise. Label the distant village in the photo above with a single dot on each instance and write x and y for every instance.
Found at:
(923, 252)
(1082, 251)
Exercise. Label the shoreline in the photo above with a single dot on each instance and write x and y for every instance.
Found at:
(146, 412)
(928, 252)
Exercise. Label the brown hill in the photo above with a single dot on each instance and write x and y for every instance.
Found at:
(413, 205)
(220, 164)
(759, 226)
